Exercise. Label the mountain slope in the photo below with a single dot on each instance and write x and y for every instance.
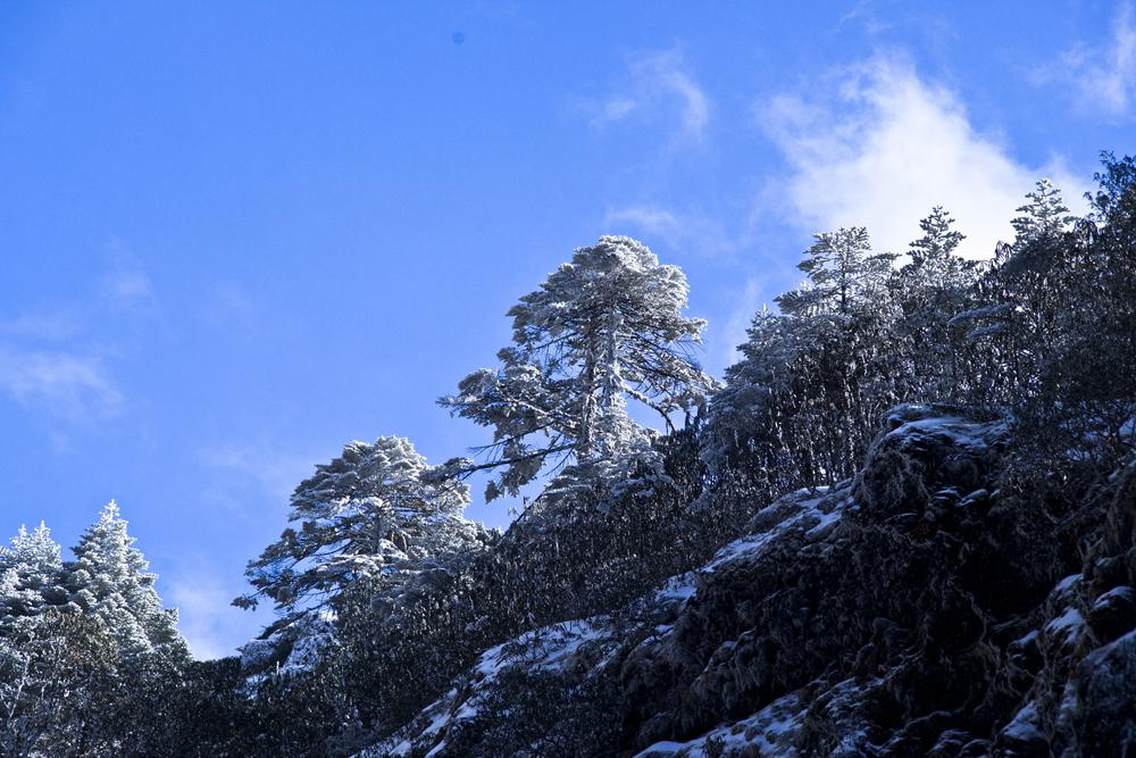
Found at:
(932, 605)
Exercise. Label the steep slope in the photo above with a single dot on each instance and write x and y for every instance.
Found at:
(929, 606)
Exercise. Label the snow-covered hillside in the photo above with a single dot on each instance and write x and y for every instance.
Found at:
(911, 610)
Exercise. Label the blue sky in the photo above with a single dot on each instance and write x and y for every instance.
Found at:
(235, 236)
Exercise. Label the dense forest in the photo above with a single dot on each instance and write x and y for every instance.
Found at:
(903, 523)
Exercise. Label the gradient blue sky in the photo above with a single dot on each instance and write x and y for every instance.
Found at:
(235, 236)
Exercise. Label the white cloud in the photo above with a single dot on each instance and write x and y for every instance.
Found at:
(232, 308)
(128, 288)
(67, 385)
(277, 473)
(1103, 78)
(883, 146)
(57, 359)
(658, 84)
(207, 619)
(650, 219)
(40, 326)
(724, 351)
(681, 231)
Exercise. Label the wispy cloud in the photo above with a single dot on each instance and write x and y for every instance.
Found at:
(68, 386)
(127, 288)
(658, 87)
(1102, 78)
(276, 473)
(689, 231)
(879, 146)
(232, 308)
(46, 326)
(867, 15)
(725, 348)
(211, 625)
(57, 361)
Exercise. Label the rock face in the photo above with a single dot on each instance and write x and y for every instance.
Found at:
(927, 607)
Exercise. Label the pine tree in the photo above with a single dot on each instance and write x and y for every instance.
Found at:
(30, 574)
(934, 252)
(843, 275)
(800, 407)
(603, 329)
(378, 511)
(373, 526)
(1044, 216)
(931, 290)
(61, 689)
(110, 579)
(741, 437)
(1018, 311)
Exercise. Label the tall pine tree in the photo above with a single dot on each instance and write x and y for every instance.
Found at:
(604, 329)
(110, 579)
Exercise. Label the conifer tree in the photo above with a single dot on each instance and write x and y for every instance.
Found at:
(1044, 216)
(931, 290)
(844, 274)
(600, 331)
(1019, 298)
(376, 512)
(30, 574)
(110, 579)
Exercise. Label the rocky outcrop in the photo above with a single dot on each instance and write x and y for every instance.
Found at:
(931, 606)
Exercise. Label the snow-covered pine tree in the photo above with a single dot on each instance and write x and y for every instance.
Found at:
(843, 378)
(742, 436)
(933, 254)
(1072, 293)
(843, 272)
(110, 579)
(376, 520)
(931, 290)
(30, 585)
(31, 578)
(1044, 215)
(605, 328)
(62, 691)
(1018, 308)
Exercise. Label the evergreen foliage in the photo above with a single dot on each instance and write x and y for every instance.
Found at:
(603, 329)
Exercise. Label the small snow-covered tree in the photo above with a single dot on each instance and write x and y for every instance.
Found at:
(605, 328)
(1020, 299)
(742, 436)
(30, 586)
(30, 574)
(843, 272)
(377, 511)
(933, 254)
(931, 290)
(1045, 215)
(110, 579)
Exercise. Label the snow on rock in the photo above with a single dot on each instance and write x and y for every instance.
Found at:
(1024, 732)
(769, 731)
(288, 649)
(560, 648)
(915, 610)
(1067, 627)
(604, 643)
(929, 450)
(607, 644)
